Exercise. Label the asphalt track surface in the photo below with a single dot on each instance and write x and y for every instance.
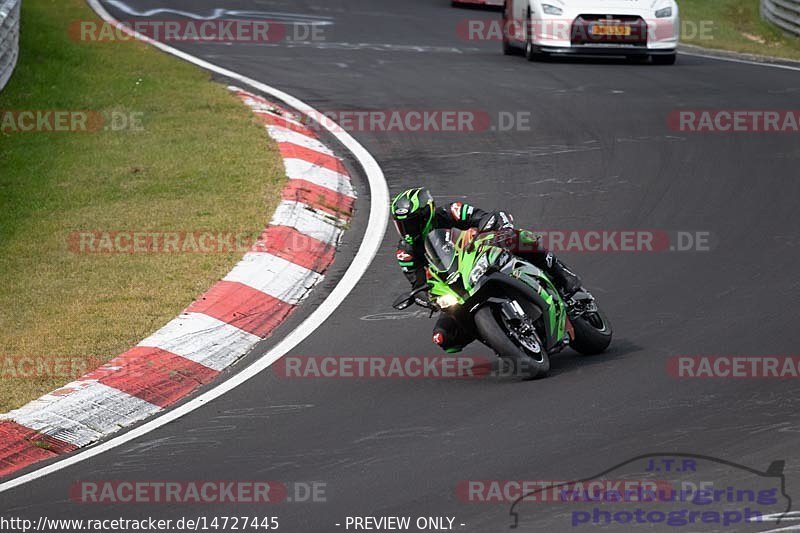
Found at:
(599, 155)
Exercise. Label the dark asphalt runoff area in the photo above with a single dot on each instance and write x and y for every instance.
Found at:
(598, 155)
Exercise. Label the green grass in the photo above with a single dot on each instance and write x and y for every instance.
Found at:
(737, 26)
(201, 162)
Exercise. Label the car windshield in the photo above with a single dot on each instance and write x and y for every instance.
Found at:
(440, 248)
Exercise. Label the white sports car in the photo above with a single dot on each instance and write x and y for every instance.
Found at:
(632, 28)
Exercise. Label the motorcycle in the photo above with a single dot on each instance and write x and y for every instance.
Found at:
(507, 303)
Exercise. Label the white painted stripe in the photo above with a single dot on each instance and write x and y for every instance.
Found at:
(299, 169)
(83, 412)
(370, 245)
(786, 515)
(308, 221)
(284, 135)
(744, 61)
(203, 339)
(275, 276)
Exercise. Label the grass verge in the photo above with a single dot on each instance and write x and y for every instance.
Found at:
(736, 25)
(199, 162)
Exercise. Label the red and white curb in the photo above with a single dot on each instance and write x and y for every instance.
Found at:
(216, 330)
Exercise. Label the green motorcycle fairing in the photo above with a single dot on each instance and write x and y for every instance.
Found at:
(454, 254)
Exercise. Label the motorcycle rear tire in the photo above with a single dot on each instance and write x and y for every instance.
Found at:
(590, 340)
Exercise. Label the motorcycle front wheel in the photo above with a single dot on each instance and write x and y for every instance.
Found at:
(532, 363)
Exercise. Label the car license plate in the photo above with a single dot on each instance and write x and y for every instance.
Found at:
(610, 29)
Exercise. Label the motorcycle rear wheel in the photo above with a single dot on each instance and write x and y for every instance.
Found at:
(592, 333)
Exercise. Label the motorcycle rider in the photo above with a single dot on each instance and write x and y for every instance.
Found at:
(415, 214)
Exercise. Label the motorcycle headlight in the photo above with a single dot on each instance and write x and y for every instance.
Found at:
(664, 12)
(550, 9)
(480, 268)
(448, 300)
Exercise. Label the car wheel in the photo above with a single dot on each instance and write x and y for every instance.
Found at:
(531, 52)
(665, 59)
(508, 48)
(638, 60)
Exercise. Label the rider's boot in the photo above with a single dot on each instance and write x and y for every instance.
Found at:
(566, 281)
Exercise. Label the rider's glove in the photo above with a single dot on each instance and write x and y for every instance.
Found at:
(497, 221)
(505, 220)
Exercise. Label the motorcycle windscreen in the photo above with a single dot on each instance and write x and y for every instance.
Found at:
(440, 248)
